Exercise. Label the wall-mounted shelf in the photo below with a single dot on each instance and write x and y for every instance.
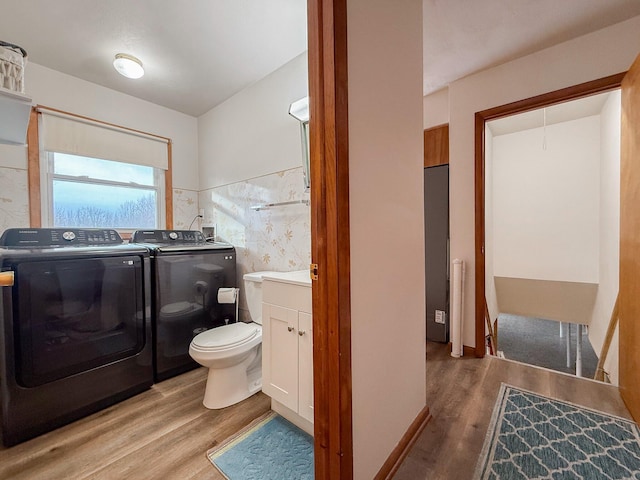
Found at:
(266, 206)
(15, 109)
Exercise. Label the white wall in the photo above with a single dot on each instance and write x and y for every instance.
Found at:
(57, 90)
(602, 53)
(54, 89)
(609, 233)
(546, 202)
(435, 109)
(252, 134)
(387, 225)
(251, 154)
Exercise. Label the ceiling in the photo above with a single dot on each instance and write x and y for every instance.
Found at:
(558, 113)
(198, 53)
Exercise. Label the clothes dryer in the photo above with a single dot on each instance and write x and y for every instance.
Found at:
(76, 333)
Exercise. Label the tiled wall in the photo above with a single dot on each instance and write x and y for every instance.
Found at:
(185, 209)
(14, 198)
(277, 239)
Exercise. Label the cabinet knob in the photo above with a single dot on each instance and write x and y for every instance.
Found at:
(290, 329)
(301, 332)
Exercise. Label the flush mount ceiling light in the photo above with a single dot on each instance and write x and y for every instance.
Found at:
(128, 65)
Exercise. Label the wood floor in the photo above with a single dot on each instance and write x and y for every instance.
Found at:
(165, 432)
(461, 394)
(162, 433)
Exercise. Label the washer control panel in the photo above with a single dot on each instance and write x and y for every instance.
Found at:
(182, 237)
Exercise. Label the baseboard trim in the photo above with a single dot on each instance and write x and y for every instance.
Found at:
(466, 351)
(393, 462)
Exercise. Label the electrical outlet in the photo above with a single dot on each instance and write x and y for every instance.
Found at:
(201, 212)
(440, 316)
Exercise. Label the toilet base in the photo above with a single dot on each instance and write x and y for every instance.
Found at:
(228, 386)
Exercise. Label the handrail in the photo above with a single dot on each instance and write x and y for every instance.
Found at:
(266, 206)
(493, 340)
(613, 323)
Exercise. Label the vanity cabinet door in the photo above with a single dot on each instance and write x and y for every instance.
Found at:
(280, 354)
(305, 375)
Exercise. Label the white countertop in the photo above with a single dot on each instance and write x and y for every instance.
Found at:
(299, 277)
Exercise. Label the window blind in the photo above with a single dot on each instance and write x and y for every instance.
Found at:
(66, 133)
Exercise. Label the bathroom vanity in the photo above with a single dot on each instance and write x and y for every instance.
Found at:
(287, 346)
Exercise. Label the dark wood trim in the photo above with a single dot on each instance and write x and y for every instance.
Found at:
(629, 303)
(33, 171)
(168, 188)
(558, 96)
(398, 454)
(329, 148)
(468, 351)
(436, 146)
(479, 250)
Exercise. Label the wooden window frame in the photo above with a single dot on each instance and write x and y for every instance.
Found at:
(33, 169)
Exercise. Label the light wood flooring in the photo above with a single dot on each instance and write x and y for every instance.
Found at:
(162, 433)
(461, 394)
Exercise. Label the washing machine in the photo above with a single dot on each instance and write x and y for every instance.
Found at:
(76, 328)
(186, 274)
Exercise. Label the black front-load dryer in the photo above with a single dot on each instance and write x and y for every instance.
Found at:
(186, 273)
(76, 330)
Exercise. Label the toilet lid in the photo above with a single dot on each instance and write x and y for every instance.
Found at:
(226, 336)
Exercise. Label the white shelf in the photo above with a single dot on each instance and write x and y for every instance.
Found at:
(15, 109)
(5, 92)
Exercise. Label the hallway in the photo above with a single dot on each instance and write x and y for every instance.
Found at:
(461, 394)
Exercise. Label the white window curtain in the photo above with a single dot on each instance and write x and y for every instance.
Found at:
(65, 133)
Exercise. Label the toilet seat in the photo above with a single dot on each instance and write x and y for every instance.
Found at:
(177, 309)
(225, 337)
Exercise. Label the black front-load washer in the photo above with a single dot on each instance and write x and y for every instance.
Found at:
(187, 271)
(76, 330)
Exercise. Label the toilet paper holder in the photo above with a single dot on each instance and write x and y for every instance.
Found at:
(229, 295)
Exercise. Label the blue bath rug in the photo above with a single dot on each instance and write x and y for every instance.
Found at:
(271, 448)
(535, 437)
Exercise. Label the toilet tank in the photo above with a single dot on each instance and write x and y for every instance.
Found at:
(253, 293)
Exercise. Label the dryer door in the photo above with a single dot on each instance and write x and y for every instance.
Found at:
(72, 315)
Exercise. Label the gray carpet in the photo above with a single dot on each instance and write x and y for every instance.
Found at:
(537, 342)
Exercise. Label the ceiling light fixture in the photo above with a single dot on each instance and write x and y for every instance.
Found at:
(128, 65)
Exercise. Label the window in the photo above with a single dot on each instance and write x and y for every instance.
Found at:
(86, 173)
(90, 192)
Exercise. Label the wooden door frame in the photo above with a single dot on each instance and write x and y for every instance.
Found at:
(601, 85)
(330, 244)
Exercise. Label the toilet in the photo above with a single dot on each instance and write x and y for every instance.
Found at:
(232, 353)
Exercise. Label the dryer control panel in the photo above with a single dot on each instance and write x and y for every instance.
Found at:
(58, 237)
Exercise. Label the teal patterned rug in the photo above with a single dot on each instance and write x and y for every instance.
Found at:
(535, 437)
(271, 448)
